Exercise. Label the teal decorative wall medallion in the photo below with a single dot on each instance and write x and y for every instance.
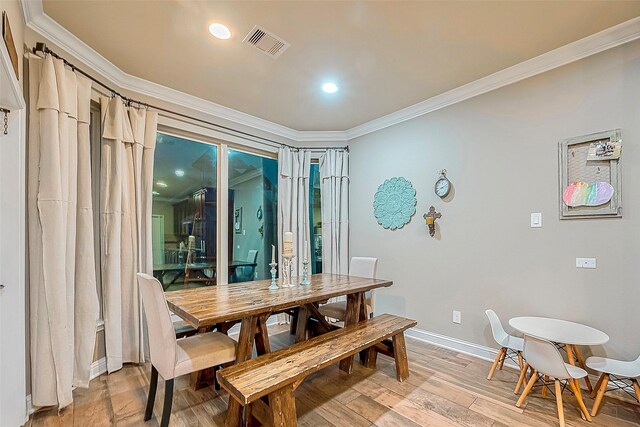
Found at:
(394, 203)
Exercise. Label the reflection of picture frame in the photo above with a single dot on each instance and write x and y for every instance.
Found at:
(237, 221)
(8, 40)
(576, 166)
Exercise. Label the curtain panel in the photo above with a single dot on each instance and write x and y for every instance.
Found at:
(334, 196)
(293, 202)
(128, 145)
(63, 301)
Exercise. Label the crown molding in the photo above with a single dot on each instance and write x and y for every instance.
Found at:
(595, 43)
(38, 21)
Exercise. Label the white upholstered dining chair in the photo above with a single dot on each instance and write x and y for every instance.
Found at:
(170, 357)
(359, 267)
(510, 345)
(619, 370)
(547, 362)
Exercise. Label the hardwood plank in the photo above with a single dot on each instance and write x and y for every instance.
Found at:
(327, 399)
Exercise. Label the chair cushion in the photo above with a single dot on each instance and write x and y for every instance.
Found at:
(619, 368)
(203, 351)
(337, 310)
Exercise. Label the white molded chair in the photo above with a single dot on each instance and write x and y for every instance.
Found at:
(546, 361)
(619, 370)
(172, 358)
(509, 345)
(359, 267)
(246, 274)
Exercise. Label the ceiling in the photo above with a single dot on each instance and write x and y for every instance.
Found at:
(384, 56)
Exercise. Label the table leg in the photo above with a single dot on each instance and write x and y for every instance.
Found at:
(203, 378)
(351, 317)
(301, 326)
(262, 336)
(243, 352)
(582, 365)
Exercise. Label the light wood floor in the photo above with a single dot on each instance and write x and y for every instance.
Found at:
(445, 389)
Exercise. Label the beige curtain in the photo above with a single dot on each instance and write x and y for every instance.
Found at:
(293, 201)
(62, 284)
(334, 200)
(128, 144)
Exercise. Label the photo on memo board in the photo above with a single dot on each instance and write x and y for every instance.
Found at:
(590, 185)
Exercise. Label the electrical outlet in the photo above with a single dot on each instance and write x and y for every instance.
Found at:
(457, 317)
(585, 263)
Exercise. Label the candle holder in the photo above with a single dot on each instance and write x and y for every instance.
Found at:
(305, 273)
(430, 219)
(287, 266)
(274, 283)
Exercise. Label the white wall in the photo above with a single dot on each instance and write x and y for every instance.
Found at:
(501, 151)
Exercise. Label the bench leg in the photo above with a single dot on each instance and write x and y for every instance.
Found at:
(283, 408)
(371, 354)
(400, 355)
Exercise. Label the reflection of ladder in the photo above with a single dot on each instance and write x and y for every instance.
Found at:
(191, 274)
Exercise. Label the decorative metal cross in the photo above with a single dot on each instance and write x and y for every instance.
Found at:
(430, 218)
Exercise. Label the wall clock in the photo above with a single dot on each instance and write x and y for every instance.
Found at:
(443, 185)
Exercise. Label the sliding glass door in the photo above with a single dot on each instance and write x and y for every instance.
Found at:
(253, 195)
(185, 212)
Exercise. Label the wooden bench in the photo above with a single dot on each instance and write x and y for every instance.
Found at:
(265, 385)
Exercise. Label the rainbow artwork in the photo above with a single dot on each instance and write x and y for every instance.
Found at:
(583, 194)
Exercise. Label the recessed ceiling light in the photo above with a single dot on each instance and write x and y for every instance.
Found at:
(162, 184)
(155, 193)
(330, 87)
(179, 172)
(220, 31)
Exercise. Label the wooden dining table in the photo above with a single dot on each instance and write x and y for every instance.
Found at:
(251, 304)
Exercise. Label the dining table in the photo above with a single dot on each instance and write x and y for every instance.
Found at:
(251, 303)
(563, 332)
(178, 269)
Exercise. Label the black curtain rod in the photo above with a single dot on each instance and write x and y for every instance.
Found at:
(42, 47)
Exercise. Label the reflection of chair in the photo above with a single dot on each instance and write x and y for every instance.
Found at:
(245, 274)
(359, 267)
(546, 360)
(173, 358)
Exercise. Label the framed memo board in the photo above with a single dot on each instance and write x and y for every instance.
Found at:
(578, 164)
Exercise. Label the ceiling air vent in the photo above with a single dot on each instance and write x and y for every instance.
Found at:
(266, 42)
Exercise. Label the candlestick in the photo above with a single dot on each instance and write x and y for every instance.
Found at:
(305, 273)
(306, 254)
(287, 264)
(274, 283)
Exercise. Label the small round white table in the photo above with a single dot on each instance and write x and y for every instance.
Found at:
(571, 334)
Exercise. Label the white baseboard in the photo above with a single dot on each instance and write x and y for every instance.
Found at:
(98, 368)
(475, 350)
(455, 344)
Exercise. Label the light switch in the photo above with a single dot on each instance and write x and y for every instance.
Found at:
(536, 220)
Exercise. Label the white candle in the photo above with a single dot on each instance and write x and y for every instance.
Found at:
(305, 258)
(287, 243)
(273, 254)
